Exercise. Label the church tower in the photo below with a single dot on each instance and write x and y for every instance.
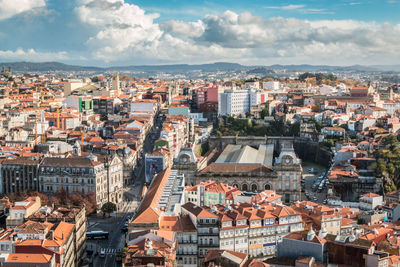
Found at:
(115, 85)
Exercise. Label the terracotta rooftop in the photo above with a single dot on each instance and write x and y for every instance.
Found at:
(148, 212)
(28, 258)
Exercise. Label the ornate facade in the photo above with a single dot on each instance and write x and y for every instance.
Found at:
(255, 170)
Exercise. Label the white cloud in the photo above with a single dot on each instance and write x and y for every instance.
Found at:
(125, 32)
(10, 8)
(32, 55)
(119, 26)
(184, 29)
(288, 7)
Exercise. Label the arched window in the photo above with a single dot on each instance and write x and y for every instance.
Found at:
(236, 185)
(254, 188)
(245, 187)
(267, 187)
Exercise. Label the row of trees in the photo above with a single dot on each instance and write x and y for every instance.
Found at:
(61, 198)
(387, 163)
(244, 127)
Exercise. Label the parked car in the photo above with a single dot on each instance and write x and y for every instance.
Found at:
(119, 255)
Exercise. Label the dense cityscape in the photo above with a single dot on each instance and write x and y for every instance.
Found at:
(218, 133)
(111, 169)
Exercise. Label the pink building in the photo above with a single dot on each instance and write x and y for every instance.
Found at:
(212, 94)
(207, 94)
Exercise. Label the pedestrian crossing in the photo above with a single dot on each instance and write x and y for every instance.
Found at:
(110, 250)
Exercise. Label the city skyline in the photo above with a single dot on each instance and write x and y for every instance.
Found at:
(121, 32)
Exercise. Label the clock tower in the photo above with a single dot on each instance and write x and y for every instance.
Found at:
(289, 172)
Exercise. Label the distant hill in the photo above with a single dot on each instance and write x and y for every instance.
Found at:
(222, 66)
(262, 71)
(218, 66)
(46, 66)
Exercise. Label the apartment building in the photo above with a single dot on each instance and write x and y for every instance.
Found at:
(245, 228)
(47, 239)
(19, 174)
(320, 216)
(84, 175)
(186, 236)
(206, 223)
(235, 102)
(210, 193)
(75, 216)
(105, 104)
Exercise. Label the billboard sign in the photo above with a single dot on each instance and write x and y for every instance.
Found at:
(153, 165)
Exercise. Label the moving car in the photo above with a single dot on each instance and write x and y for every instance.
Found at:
(102, 253)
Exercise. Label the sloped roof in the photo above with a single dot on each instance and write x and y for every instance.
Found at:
(28, 258)
(238, 154)
(148, 211)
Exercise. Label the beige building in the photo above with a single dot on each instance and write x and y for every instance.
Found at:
(84, 175)
(76, 216)
(70, 86)
(320, 217)
(22, 210)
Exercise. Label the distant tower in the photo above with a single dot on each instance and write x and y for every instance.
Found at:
(115, 84)
(169, 96)
(77, 149)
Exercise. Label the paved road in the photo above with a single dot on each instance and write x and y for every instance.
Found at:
(309, 179)
(116, 239)
(132, 194)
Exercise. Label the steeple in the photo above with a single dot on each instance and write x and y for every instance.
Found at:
(310, 234)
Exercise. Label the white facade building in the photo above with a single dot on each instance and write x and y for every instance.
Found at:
(235, 102)
(271, 85)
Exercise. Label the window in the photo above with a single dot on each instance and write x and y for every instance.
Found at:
(254, 188)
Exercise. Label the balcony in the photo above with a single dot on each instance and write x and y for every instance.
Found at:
(186, 252)
(216, 244)
(209, 232)
(187, 241)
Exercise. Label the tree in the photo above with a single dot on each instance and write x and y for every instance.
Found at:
(108, 207)
(204, 148)
(315, 109)
(264, 113)
(390, 141)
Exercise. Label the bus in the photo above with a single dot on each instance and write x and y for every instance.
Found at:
(96, 235)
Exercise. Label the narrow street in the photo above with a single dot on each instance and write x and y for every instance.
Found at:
(309, 179)
(114, 224)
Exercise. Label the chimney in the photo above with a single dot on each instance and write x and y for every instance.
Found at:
(62, 235)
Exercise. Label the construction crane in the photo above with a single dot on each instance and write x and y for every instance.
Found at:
(36, 136)
(58, 118)
(82, 135)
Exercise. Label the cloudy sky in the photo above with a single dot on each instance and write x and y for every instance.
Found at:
(128, 32)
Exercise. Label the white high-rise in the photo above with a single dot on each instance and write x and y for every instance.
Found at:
(235, 102)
